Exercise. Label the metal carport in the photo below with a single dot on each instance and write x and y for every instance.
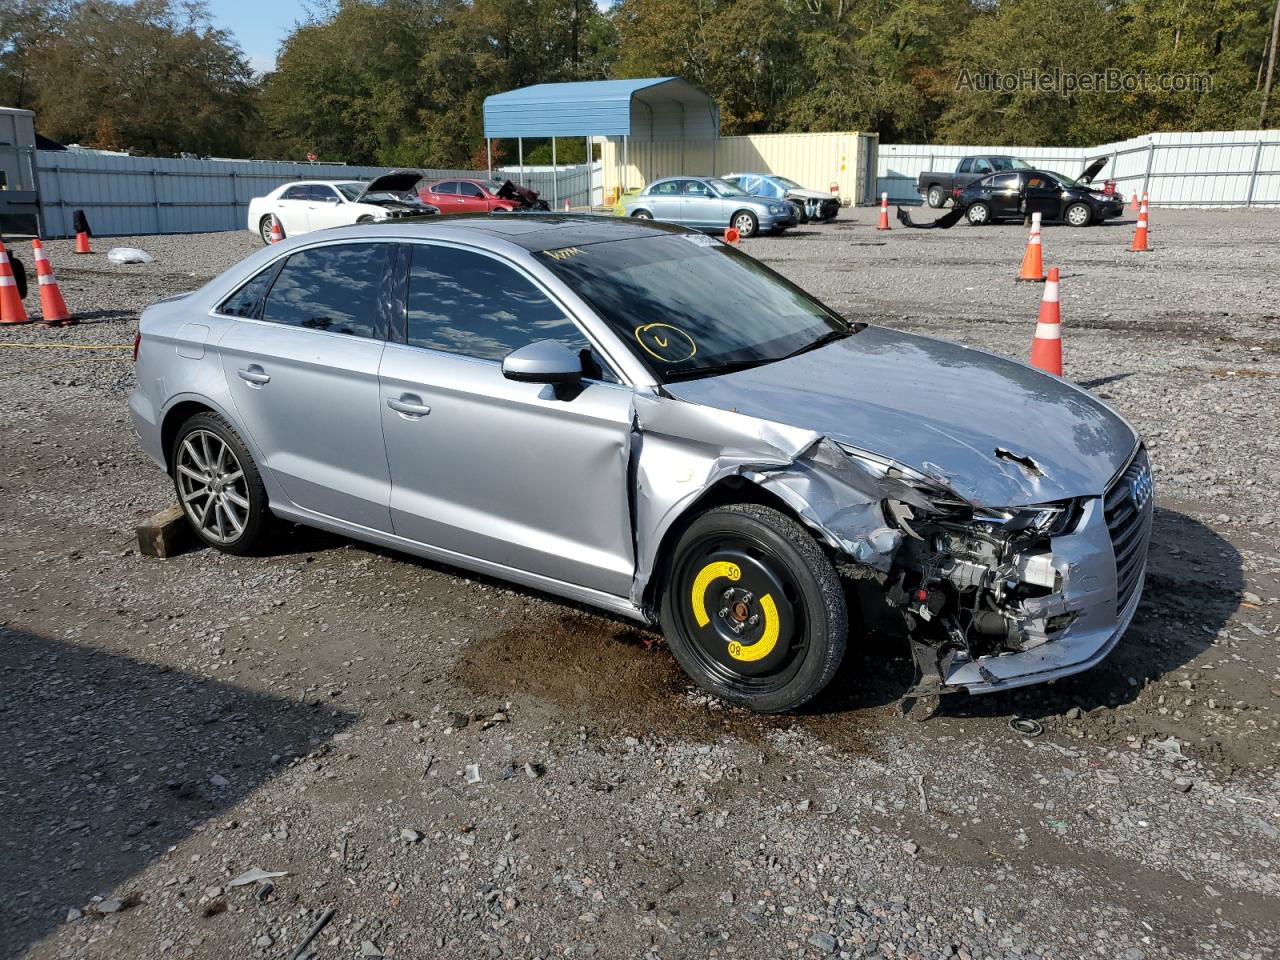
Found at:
(657, 108)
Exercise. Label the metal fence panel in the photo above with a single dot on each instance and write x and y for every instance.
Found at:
(127, 196)
(1217, 168)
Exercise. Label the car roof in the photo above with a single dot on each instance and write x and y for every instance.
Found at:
(318, 183)
(532, 231)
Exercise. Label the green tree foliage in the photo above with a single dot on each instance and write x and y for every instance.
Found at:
(152, 75)
(402, 82)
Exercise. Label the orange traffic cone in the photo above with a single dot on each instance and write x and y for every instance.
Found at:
(1033, 259)
(884, 212)
(566, 204)
(11, 308)
(53, 308)
(1133, 201)
(731, 236)
(82, 243)
(1140, 242)
(1046, 348)
(277, 234)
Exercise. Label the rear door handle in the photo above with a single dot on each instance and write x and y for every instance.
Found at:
(409, 406)
(254, 375)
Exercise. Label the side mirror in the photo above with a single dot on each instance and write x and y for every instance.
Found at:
(544, 361)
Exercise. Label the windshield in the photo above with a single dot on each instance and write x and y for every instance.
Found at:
(1010, 163)
(789, 184)
(349, 190)
(725, 188)
(1065, 181)
(690, 306)
(492, 186)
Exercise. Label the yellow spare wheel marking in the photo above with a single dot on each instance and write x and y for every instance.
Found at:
(712, 571)
(768, 640)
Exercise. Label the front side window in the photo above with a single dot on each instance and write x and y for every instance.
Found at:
(696, 188)
(471, 304)
(470, 190)
(333, 288)
(318, 193)
(981, 166)
(688, 306)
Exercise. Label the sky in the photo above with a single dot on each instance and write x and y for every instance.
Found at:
(259, 25)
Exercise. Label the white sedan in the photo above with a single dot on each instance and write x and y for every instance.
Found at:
(307, 205)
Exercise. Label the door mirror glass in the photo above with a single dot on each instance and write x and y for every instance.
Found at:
(544, 361)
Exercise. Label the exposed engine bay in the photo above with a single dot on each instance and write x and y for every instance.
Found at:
(971, 584)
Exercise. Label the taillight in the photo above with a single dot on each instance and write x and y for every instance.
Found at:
(137, 342)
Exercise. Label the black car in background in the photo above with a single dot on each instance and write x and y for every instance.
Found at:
(1016, 194)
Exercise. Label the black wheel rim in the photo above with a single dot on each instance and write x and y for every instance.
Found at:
(741, 612)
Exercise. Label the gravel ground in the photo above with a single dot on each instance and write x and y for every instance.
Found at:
(459, 769)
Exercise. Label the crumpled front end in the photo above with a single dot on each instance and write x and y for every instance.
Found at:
(994, 604)
(991, 598)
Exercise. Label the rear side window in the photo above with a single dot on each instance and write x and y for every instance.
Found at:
(335, 288)
(467, 303)
(966, 166)
(1004, 181)
(666, 189)
(244, 302)
(295, 193)
(450, 187)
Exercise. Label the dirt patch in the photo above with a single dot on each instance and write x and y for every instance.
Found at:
(622, 680)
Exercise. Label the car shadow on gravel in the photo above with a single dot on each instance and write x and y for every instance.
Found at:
(1189, 596)
(109, 761)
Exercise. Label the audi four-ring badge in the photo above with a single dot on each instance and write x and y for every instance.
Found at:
(636, 416)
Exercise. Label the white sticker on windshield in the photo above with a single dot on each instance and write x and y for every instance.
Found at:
(701, 240)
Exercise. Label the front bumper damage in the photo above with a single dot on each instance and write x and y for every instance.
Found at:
(986, 604)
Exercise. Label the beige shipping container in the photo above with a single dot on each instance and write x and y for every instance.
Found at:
(841, 162)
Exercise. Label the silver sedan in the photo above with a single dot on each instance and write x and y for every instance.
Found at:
(709, 203)
(641, 418)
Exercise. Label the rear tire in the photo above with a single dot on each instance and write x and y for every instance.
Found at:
(937, 196)
(753, 610)
(978, 214)
(264, 229)
(219, 487)
(642, 215)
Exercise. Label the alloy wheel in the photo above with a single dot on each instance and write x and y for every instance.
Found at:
(212, 486)
(745, 224)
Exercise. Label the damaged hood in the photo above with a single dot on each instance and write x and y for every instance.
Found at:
(996, 432)
(397, 181)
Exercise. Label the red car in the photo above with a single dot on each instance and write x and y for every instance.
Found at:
(466, 196)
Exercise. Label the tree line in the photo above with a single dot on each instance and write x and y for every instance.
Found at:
(401, 82)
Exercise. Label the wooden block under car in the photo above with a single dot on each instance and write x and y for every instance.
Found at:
(164, 534)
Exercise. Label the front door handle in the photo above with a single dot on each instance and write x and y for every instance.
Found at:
(254, 375)
(409, 406)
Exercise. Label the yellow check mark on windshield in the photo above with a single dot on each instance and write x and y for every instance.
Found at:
(660, 341)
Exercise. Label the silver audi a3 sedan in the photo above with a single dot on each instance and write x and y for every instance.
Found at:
(641, 418)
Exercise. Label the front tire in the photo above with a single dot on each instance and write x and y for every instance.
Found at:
(753, 610)
(642, 215)
(745, 222)
(978, 214)
(218, 485)
(1079, 215)
(937, 196)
